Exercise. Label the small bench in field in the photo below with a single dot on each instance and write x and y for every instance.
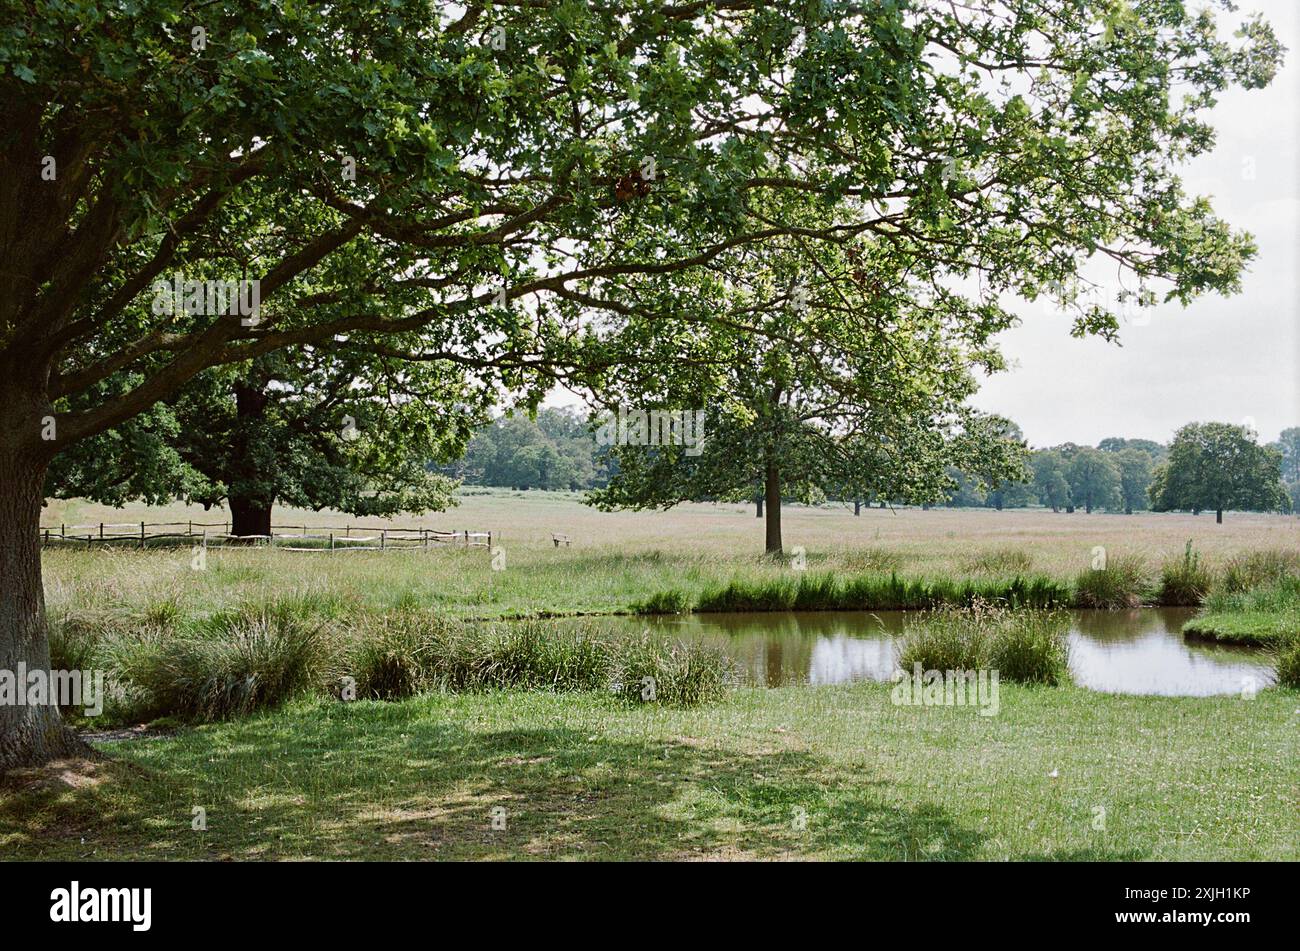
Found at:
(558, 539)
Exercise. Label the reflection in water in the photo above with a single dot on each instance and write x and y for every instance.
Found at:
(1116, 651)
(842, 658)
(1144, 652)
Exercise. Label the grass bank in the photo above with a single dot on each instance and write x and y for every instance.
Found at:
(827, 773)
(831, 592)
(260, 656)
(1266, 613)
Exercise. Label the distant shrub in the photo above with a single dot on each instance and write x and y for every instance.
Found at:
(1185, 581)
(1122, 583)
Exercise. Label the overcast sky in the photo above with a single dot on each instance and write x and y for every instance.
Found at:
(1234, 359)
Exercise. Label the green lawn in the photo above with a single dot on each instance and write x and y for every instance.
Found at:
(582, 776)
(1268, 628)
(1267, 614)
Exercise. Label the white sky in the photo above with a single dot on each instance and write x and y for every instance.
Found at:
(1224, 359)
(1233, 359)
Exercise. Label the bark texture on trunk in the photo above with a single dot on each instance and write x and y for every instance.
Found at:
(772, 498)
(1218, 517)
(29, 735)
(857, 506)
(758, 513)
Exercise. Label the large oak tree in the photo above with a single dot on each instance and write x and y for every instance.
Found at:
(1213, 467)
(481, 186)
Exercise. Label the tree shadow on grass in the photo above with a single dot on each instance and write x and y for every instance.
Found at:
(394, 782)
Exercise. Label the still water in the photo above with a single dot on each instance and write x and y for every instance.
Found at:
(1139, 651)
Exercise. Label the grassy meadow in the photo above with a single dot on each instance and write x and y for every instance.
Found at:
(232, 710)
(617, 561)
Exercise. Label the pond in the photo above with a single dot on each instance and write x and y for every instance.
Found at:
(1140, 652)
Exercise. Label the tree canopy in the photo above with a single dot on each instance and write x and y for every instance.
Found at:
(1218, 466)
(505, 188)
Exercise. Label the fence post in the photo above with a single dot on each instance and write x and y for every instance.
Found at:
(101, 531)
(383, 539)
(142, 534)
(190, 528)
(331, 541)
(63, 530)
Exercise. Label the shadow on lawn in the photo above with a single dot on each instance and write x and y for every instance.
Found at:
(394, 782)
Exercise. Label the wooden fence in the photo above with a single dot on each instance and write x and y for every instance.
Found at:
(282, 538)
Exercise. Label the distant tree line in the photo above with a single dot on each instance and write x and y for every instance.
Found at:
(1208, 467)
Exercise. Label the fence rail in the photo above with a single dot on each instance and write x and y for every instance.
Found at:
(304, 538)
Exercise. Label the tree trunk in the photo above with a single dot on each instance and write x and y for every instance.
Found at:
(759, 508)
(1218, 517)
(1087, 508)
(249, 517)
(772, 496)
(857, 506)
(1128, 510)
(29, 735)
(1069, 510)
